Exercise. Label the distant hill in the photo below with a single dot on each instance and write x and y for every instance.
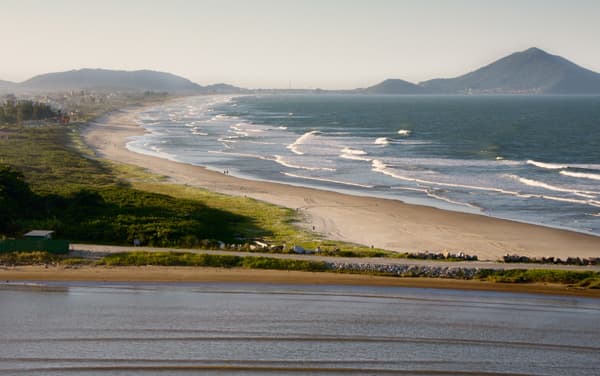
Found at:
(223, 89)
(393, 86)
(6, 85)
(102, 79)
(531, 71)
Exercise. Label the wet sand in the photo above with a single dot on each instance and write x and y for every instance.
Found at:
(383, 223)
(169, 274)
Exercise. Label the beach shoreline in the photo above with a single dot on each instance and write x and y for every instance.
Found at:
(383, 223)
(182, 274)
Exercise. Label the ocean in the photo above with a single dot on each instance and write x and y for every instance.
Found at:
(533, 159)
(75, 328)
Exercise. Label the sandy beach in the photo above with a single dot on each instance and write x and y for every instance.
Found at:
(383, 223)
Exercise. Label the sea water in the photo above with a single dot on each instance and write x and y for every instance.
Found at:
(528, 158)
(276, 329)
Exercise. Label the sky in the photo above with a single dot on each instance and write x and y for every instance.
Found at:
(332, 44)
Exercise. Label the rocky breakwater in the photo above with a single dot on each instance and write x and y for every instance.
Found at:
(399, 270)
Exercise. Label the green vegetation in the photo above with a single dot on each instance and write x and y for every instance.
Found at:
(220, 261)
(13, 111)
(39, 258)
(48, 184)
(587, 279)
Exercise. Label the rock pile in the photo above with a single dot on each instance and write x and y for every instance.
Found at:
(407, 270)
(552, 260)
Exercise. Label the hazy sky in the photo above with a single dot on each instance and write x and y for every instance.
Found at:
(267, 43)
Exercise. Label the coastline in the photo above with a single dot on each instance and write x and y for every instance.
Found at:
(174, 274)
(384, 223)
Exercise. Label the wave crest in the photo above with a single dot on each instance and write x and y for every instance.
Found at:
(382, 141)
(548, 166)
(293, 147)
(582, 175)
(354, 154)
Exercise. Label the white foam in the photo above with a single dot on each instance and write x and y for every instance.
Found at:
(442, 198)
(379, 166)
(548, 166)
(327, 180)
(539, 184)
(560, 166)
(354, 154)
(347, 150)
(149, 150)
(404, 132)
(423, 190)
(382, 141)
(238, 132)
(571, 200)
(301, 140)
(222, 117)
(279, 159)
(228, 139)
(582, 175)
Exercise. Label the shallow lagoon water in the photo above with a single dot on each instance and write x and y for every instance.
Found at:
(252, 329)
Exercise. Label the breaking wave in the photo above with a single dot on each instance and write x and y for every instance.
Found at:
(404, 132)
(539, 184)
(379, 166)
(382, 141)
(561, 166)
(548, 166)
(301, 140)
(354, 154)
(582, 175)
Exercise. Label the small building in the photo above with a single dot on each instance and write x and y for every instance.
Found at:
(39, 234)
(37, 240)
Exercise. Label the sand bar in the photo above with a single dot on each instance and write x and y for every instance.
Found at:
(384, 223)
(171, 274)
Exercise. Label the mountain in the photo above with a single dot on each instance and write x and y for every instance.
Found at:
(532, 71)
(102, 79)
(393, 86)
(6, 85)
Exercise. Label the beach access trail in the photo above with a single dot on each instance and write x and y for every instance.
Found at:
(383, 223)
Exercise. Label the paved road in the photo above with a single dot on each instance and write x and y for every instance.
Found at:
(97, 251)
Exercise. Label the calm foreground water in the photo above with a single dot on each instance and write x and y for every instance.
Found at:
(532, 159)
(182, 329)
